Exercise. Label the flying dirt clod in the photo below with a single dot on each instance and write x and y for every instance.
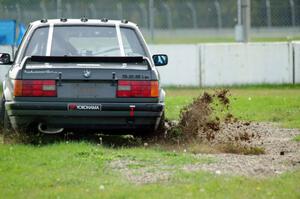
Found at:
(208, 120)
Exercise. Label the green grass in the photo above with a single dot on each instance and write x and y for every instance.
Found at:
(280, 104)
(83, 170)
(297, 138)
(80, 170)
(74, 170)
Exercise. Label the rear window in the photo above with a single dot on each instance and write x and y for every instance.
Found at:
(85, 41)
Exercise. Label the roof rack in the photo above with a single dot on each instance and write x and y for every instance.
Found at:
(44, 20)
(63, 19)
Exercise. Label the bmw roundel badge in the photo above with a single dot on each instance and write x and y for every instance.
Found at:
(86, 73)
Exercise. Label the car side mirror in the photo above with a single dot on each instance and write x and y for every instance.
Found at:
(5, 59)
(160, 59)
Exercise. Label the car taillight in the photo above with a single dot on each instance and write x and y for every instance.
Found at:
(137, 88)
(35, 88)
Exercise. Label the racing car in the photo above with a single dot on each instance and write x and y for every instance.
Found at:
(71, 74)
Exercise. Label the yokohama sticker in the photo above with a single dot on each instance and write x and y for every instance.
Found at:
(85, 107)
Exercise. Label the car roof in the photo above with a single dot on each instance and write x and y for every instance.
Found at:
(82, 21)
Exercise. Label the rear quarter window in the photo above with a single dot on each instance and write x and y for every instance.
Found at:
(38, 42)
(131, 42)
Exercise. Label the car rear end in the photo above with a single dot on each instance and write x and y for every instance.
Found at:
(89, 98)
(90, 89)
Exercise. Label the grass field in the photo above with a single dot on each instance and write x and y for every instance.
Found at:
(83, 169)
(79, 170)
(297, 138)
(280, 104)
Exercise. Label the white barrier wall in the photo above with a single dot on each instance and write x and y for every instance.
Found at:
(183, 67)
(224, 64)
(252, 63)
(296, 59)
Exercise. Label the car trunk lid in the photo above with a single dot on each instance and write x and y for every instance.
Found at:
(87, 77)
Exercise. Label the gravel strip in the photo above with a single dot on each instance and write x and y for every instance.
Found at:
(282, 154)
(144, 175)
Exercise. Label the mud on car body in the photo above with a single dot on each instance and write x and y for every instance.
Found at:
(83, 74)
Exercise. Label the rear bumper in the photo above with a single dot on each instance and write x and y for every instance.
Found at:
(112, 115)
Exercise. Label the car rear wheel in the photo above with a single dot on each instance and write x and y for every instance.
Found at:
(8, 132)
(6, 129)
(157, 133)
(2, 112)
(161, 128)
(9, 135)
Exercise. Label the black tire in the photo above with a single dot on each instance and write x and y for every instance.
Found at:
(21, 136)
(6, 128)
(8, 132)
(161, 128)
(2, 112)
(157, 133)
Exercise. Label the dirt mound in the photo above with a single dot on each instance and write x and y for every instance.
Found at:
(208, 120)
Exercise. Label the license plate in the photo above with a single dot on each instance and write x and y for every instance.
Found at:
(86, 90)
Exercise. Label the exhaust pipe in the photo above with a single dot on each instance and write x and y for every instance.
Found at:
(43, 128)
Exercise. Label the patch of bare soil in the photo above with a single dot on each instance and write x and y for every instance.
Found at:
(138, 173)
(281, 154)
(242, 148)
